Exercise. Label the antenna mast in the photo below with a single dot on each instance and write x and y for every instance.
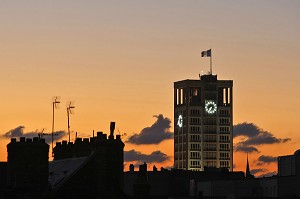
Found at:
(54, 106)
(69, 111)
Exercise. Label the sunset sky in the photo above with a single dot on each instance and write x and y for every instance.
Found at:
(117, 60)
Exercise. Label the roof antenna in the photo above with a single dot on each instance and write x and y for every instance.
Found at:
(55, 103)
(121, 134)
(70, 106)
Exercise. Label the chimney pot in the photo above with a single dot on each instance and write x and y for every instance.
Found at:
(28, 140)
(99, 133)
(112, 128)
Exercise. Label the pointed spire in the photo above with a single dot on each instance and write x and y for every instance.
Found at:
(248, 174)
(247, 167)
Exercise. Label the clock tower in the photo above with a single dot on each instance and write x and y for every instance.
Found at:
(203, 123)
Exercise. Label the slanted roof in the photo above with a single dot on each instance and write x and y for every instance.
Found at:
(60, 171)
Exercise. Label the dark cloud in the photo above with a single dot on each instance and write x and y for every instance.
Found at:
(255, 136)
(167, 168)
(16, 132)
(246, 129)
(269, 174)
(267, 159)
(19, 132)
(259, 163)
(136, 156)
(265, 138)
(246, 149)
(255, 171)
(155, 134)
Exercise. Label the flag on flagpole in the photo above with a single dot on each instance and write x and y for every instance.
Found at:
(206, 53)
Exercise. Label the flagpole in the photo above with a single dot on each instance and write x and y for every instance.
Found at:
(210, 62)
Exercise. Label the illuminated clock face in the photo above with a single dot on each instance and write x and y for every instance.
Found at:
(180, 121)
(210, 107)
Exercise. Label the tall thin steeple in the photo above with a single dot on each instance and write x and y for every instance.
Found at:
(248, 174)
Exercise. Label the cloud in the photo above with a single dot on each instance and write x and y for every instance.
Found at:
(269, 174)
(264, 172)
(255, 136)
(255, 171)
(246, 129)
(246, 149)
(19, 132)
(266, 159)
(265, 138)
(155, 156)
(154, 134)
(16, 132)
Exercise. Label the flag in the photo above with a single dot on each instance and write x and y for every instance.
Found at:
(206, 53)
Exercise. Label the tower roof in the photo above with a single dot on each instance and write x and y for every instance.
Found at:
(248, 174)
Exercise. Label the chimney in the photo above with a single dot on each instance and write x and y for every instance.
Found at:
(64, 143)
(112, 129)
(99, 134)
(86, 140)
(118, 137)
(131, 168)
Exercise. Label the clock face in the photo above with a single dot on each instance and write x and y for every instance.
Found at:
(180, 121)
(210, 107)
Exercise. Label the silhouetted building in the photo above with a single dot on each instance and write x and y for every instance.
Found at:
(141, 186)
(289, 175)
(203, 123)
(174, 183)
(3, 174)
(27, 167)
(88, 168)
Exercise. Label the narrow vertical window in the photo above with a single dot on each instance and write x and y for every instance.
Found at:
(228, 94)
(181, 96)
(177, 97)
(224, 95)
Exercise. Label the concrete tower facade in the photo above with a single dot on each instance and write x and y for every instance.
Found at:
(203, 123)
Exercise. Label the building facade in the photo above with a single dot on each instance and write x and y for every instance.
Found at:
(27, 164)
(203, 123)
(89, 168)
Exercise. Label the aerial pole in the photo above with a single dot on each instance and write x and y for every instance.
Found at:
(69, 111)
(54, 106)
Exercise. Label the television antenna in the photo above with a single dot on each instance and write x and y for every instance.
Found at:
(121, 134)
(70, 108)
(55, 103)
(41, 133)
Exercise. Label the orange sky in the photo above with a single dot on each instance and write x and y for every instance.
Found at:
(118, 60)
